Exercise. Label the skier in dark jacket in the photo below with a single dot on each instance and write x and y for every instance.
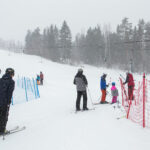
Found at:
(81, 83)
(130, 81)
(6, 90)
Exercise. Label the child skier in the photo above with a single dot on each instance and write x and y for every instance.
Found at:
(114, 93)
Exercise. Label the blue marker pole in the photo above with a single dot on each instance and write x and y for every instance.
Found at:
(18, 81)
(25, 89)
(22, 82)
(34, 88)
(37, 89)
(27, 86)
(30, 85)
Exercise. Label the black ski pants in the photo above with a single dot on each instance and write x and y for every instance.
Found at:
(79, 94)
(41, 81)
(4, 111)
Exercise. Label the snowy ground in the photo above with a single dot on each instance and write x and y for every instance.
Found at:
(50, 121)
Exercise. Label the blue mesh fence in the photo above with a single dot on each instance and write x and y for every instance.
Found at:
(26, 89)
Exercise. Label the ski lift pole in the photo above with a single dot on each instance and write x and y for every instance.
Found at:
(90, 97)
(121, 75)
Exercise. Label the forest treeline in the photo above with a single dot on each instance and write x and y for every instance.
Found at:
(126, 48)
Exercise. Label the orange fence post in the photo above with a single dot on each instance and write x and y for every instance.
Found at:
(144, 100)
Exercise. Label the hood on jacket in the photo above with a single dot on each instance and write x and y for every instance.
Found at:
(6, 76)
(113, 87)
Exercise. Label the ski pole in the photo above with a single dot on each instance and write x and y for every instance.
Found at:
(122, 77)
(98, 99)
(90, 97)
(108, 94)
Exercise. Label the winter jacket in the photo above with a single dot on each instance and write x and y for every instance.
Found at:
(103, 83)
(114, 91)
(38, 78)
(129, 80)
(7, 85)
(80, 81)
(41, 76)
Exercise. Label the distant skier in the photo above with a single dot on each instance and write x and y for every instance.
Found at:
(81, 83)
(41, 78)
(6, 90)
(114, 93)
(130, 81)
(103, 86)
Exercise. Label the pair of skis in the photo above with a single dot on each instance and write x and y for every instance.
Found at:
(76, 111)
(121, 117)
(101, 103)
(14, 130)
(114, 106)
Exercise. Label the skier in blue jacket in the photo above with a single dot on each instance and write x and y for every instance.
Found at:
(103, 86)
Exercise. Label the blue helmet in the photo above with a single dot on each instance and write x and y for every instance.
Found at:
(113, 83)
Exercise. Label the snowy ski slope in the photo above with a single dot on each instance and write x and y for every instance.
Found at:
(50, 121)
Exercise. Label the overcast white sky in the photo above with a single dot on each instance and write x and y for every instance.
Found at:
(17, 16)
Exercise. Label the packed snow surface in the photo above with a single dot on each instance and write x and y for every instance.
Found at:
(50, 121)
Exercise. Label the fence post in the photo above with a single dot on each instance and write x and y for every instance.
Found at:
(30, 85)
(18, 81)
(122, 92)
(25, 89)
(37, 90)
(22, 82)
(138, 98)
(27, 85)
(34, 88)
(144, 100)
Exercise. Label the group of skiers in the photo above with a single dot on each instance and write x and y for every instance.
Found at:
(40, 78)
(7, 85)
(81, 84)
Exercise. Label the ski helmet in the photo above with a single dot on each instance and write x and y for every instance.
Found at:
(113, 83)
(80, 70)
(104, 75)
(10, 71)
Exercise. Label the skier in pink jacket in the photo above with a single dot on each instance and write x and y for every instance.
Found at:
(114, 93)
